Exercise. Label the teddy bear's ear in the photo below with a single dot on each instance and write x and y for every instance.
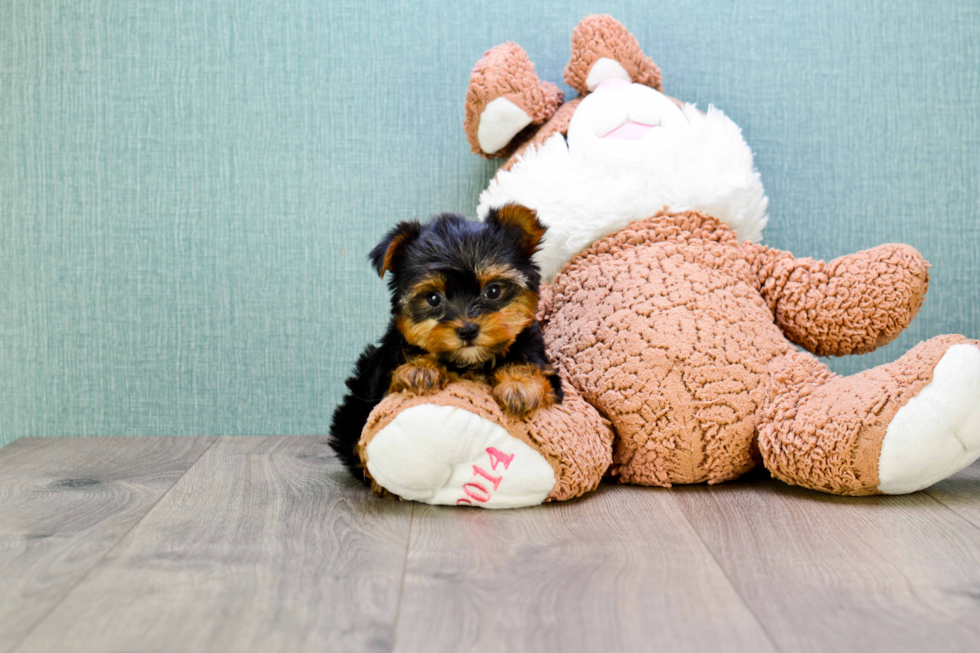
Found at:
(520, 220)
(385, 254)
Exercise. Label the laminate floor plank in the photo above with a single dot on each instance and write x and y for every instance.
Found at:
(64, 503)
(265, 545)
(960, 493)
(618, 570)
(828, 573)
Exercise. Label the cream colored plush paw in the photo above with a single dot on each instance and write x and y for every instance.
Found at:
(449, 456)
(937, 433)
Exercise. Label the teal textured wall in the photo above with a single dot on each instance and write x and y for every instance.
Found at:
(188, 188)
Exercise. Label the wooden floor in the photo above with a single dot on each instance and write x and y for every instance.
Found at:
(264, 544)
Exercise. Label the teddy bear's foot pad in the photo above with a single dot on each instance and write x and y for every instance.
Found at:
(443, 455)
(937, 433)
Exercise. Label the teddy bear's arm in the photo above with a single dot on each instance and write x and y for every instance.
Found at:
(851, 305)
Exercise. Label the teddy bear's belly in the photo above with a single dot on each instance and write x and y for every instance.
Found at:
(674, 352)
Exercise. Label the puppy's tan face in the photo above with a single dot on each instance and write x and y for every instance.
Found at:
(467, 318)
(464, 290)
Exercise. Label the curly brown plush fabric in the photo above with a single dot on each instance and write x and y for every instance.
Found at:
(667, 327)
(661, 327)
(505, 71)
(828, 308)
(825, 432)
(574, 439)
(599, 36)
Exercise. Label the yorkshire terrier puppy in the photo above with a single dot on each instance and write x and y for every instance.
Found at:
(463, 299)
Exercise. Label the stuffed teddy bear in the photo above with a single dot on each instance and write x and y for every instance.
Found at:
(674, 332)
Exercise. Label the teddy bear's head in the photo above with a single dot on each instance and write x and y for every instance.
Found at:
(626, 152)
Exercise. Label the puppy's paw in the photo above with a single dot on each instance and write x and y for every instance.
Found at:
(522, 389)
(421, 376)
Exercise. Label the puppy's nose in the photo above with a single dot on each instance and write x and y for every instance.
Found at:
(468, 332)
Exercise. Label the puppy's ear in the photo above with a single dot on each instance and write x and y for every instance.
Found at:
(385, 254)
(522, 222)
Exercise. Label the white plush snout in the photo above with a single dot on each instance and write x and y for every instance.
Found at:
(616, 103)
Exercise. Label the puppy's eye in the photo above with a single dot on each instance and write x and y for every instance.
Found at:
(492, 291)
(434, 299)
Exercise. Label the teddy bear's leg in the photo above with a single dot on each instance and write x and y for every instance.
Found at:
(456, 447)
(603, 49)
(505, 96)
(893, 429)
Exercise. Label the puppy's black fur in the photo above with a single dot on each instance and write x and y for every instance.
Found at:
(442, 273)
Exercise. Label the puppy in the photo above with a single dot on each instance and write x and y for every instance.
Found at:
(463, 299)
